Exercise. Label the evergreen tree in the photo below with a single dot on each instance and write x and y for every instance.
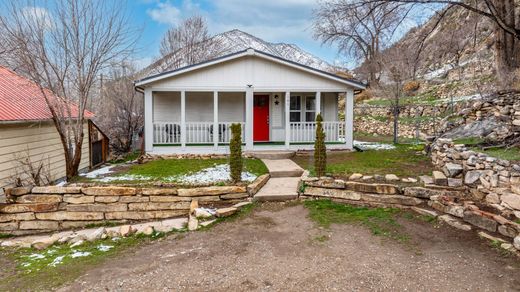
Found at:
(320, 150)
(235, 157)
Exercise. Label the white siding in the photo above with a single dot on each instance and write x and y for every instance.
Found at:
(250, 70)
(42, 142)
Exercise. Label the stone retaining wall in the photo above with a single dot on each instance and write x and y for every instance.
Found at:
(43, 209)
(452, 205)
(492, 181)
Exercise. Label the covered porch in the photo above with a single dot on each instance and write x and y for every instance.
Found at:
(188, 120)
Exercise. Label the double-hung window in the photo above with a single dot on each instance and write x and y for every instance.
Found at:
(302, 109)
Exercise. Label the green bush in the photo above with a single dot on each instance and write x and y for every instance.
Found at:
(235, 156)
(320, 150)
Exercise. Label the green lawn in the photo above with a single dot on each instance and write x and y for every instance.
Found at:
(512, 154)
(159, 169)
(404, 161)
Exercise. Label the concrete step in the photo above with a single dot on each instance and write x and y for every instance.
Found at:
(279, 189)
(270, 154)
(283, 168)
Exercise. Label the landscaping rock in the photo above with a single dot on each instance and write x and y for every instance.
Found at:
(202, 213)
(126, 230)
(163, 199)
(241, 204)
(78, 199)
(177, 223)
(66, 215)
(448, 219)
(194, 204)
(388, 189)
(255, 186)
(207, 223)
(516, 242)
(39, 199)
(17, 217)
(109, 191)
(150, 206)
(211, 191)
(439, 178)
(472, 177)
(234, 196)
(159, 192)
(328, 183)
(44, 242)
(507, 231)
(39, 225)
(491, 237)
(512, 200)
(455, 210)
(22, 208)
(193, 223)
(149, 230)
(56, 190)
(391, 199)
(476, 218)
(355, 176)
(225, 212)
(427, 180)
(145, 215)
(425, 212)
(9, 226)
(19, 191)
(96, 234)
(454, 182)
(452, 169)
(391, 177)
(106, 199)
(332, 193)
(115, 207)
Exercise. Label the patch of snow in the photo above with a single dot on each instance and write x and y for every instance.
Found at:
(460, 98)
(103, 247)
(218, 173)
(36, 256)
(57, 261)
(98, 172)
(77, 243)
(373, 145)
(62, 183)
(127, 177)
(78, 254)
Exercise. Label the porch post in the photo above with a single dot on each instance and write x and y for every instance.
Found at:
(318, 103)
(349, 118)
(148, 120)
(183, 119)
(287, 119)
(216, 130)
(249, 118)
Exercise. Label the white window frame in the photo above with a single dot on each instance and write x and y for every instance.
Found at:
(303, 108)
(305, 111)
(296, 111)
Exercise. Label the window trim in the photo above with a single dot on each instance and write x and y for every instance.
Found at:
(303, 107)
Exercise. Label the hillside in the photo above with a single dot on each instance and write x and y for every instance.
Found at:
(236, 40)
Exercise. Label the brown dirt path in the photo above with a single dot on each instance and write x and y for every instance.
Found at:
(276, 248)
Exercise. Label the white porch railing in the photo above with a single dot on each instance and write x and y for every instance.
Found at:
(304, 132)
(169, 133)
(225, 132)
(166, 133)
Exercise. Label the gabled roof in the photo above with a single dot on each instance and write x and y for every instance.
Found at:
(249, 52)
(22, 100)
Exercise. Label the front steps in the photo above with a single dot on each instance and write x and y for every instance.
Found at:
(283, 185)
(283, 168)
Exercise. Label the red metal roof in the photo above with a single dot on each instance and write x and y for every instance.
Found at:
(21, 99)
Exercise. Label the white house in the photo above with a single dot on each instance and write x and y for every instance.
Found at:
(275, 100)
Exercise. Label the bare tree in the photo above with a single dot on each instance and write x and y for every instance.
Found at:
(505, 15)
(63, 47)
(187, 44)
(360, 31)
(120, 107)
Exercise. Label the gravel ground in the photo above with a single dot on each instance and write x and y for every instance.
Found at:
(277, 248)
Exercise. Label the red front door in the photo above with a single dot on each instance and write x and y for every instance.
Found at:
(261, 118)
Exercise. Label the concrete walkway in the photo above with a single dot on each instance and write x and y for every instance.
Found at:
(283, 185)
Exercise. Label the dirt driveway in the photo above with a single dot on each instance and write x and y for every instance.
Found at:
(277, 248)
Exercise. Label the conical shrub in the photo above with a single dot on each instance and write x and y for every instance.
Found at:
(320, 150)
